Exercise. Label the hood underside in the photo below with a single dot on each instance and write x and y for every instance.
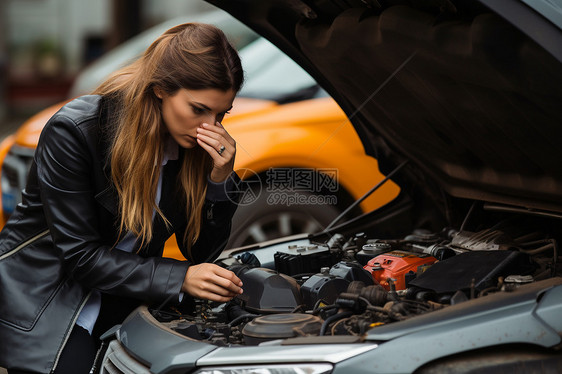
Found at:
(464, 94)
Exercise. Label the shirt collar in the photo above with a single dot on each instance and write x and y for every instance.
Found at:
(171, 150)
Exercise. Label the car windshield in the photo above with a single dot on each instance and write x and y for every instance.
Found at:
(272, 74)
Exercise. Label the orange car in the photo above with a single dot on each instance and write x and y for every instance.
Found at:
(302, 156)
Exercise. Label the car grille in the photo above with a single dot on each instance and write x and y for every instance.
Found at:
(117, 361)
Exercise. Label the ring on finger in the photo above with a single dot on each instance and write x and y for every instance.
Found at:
(221, 149)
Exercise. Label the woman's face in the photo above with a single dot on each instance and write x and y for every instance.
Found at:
(186, 110)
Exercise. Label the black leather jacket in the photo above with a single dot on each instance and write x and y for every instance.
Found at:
(56, 246)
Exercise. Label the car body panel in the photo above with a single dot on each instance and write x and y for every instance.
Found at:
(165, 343)
(278, 354)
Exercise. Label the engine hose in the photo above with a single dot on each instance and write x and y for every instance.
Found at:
(236, 320)
(317, 310)
(234, 311)
(333, 318)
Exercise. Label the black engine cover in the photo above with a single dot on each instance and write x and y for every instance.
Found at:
(266, 291)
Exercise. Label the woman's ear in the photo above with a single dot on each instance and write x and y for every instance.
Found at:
(158, 92)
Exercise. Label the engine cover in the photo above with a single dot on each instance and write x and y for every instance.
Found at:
(266, 291)
(399, 265)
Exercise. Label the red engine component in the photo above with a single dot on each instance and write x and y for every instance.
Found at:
(401, 266)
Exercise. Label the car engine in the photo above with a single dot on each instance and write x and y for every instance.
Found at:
(348, 285)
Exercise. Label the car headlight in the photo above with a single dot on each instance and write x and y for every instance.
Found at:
(269, 369)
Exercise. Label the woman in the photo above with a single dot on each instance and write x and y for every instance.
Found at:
(114, 175)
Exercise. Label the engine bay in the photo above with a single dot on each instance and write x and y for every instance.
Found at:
(349, 284)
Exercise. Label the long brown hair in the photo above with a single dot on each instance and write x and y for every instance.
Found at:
(192, 56)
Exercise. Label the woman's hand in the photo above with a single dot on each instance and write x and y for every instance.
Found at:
(211, 282)
(222, 148)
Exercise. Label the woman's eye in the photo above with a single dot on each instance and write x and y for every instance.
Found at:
(197, 110)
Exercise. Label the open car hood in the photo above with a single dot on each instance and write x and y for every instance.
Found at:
(468, 92)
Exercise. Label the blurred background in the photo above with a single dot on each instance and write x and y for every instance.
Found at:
(44, 44)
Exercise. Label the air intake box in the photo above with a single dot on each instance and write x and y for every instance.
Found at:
(266, 291)
(457, 273)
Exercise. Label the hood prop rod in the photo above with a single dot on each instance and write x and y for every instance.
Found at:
(358, 201)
